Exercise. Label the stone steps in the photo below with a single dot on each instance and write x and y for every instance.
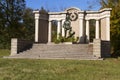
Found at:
(58, 51)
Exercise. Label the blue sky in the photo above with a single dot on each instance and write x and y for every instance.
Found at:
(59, 5)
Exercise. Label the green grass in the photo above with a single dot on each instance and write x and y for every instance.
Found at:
(30, 69)
(4, 52)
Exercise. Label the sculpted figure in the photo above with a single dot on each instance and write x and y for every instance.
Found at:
(67, 26)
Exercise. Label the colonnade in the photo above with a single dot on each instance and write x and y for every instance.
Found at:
(97, 29)
(102, 29)
(61, 22)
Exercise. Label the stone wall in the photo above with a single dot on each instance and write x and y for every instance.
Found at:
(105, 48)
(101, 48)
(18, 45)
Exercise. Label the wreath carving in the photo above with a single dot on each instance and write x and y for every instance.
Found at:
(73, 16)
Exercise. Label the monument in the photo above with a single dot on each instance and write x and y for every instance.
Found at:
(79, 23)
(75, 22)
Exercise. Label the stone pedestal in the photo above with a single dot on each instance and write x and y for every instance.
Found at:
(14, 42)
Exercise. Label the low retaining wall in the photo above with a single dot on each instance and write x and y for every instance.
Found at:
(105, 48)
(101, 48)
(19, 45)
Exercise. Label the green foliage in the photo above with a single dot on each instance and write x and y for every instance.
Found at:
(57, 41)
(62, 39)
(92, 30)
(54, 31)
(11, 12)
(16, 21)
(28, 23)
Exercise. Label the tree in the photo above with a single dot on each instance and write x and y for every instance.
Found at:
(11, 12)
(28, 22)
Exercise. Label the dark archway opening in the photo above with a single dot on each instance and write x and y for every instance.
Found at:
(92, 29)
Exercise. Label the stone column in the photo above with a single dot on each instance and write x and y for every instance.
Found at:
(49, 32)
(63, 30)
(36, 27)
(87, 31)
(58, 29)
(107, 29)
(81, 30)
(97, 30)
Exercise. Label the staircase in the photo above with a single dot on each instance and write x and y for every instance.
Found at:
(58, 51)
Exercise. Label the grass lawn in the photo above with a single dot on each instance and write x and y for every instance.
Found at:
(4, 52)
(30, 69)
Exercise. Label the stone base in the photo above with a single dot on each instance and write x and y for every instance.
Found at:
(97, 48)
(58, 51)
(67, 43)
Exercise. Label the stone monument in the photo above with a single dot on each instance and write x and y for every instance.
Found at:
(71, 22)
(77, 21)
